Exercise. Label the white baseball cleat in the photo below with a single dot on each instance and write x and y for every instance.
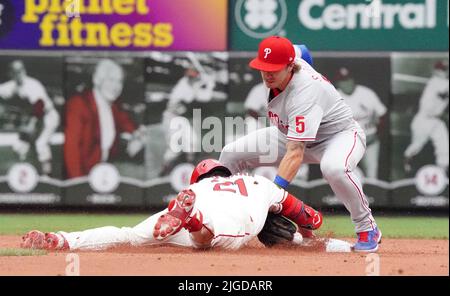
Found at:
(51, 241)
(34, 239)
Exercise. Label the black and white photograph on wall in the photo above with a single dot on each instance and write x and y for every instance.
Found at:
(31, 100)
(419, 128)
(182, 89)
(248, 93)
(104, 129)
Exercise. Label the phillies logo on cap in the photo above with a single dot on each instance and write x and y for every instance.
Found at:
(274, 54)
(267, 51)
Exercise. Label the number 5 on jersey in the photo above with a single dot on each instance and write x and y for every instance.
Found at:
(299, 124)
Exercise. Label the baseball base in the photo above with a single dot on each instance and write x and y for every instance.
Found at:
(331, 245)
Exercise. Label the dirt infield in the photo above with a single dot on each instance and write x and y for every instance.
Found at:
(396, 257)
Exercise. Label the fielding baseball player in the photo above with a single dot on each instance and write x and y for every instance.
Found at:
(367, 110)
(256, 104)
(426, 124)
(311, 124)
(217, 210)
(31, 91)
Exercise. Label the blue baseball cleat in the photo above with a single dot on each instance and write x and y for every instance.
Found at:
(368, 241)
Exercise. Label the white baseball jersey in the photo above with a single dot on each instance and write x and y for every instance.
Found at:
(366, 107)
(426, 124)
(33, 91)
(236, 207)
(432, 102)
(30, 89)
(257, 99)
(310, 108)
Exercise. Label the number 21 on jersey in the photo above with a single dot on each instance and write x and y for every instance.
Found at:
(231, 186)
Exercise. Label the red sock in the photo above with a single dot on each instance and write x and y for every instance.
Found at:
(171, 204)
(303, 215)
(195, 223)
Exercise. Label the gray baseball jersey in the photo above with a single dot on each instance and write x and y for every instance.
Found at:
(310, 108)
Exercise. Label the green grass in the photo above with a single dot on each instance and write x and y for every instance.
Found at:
(393, 227)
(21, 252)
(340, 226)
(22, 223)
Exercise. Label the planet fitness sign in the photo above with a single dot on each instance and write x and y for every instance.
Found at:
(113, 24)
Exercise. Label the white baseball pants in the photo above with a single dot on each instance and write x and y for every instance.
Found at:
(110, 236)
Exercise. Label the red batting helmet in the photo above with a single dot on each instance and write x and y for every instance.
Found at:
(207, 166)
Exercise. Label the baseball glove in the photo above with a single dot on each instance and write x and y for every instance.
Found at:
(277, 230)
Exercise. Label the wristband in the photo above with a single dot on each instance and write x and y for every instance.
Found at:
(280, 181)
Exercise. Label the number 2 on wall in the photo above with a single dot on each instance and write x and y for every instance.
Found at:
(299, 124)
(228, 186)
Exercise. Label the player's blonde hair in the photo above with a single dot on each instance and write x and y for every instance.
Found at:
(296, 67)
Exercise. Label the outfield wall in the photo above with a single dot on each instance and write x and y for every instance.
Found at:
(146, 179)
